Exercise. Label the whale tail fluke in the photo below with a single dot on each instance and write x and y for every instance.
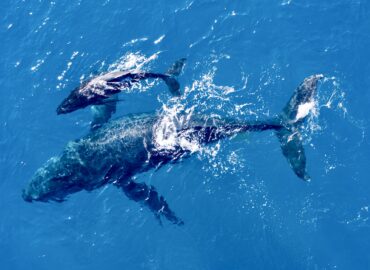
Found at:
(292, 148)
(293, 115)
(171, 74)
(176, 68)
(173, 85)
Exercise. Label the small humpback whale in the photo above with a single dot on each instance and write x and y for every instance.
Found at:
(123, 148)
(100, 89)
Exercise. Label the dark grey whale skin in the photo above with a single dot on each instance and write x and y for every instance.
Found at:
(118, 151)
(101, 89)
(123, 148)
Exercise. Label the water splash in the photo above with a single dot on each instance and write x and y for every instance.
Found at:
(360, 219)
(135, 61)
(286, 2)
(172, 119)
(204, 96)
(330, 96)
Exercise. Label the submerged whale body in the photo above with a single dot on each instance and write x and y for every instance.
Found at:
(100, 89)
(123, 148)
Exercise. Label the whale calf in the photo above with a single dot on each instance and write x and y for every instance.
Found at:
(123, 148)
(100, 89)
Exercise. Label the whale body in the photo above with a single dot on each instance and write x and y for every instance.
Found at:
(100, 89)
(125, 147)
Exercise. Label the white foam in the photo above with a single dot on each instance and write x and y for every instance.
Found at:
(132, 61)
(133, 41)
(166, 130)
(158, 40)
(286, 2)
(38, 64)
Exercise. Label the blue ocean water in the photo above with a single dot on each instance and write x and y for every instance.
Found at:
(242, 205)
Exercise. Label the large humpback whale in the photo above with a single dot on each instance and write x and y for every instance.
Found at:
(100, 89)
(123, 148)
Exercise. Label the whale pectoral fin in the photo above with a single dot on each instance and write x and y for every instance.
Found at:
(102, 113)
(148, 196)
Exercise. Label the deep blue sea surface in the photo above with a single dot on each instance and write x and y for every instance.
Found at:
(242, 205)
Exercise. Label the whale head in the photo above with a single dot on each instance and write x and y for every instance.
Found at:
(73, 102)
(54, 181)
(93, 92)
